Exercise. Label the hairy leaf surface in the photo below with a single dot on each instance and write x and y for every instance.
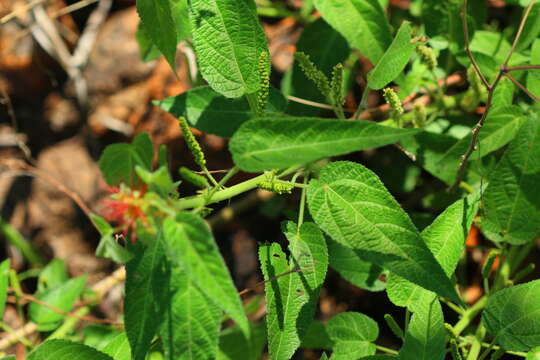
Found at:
(394, 59)
(365, 26)
(229, 41)
(445, 237)
(192, 321)
(211, 112)
(425, 338)
(352, 335)
(291, 299)
(350, 204)
(192, 247)
(272, 143)
(147, 275)
(66, 350)
(512, 316)
(512, 204)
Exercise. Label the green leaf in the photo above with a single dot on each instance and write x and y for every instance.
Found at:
(118, 348)
(66, 350)
(440, 154)
(52, 275)
(147, 276)
(495, 45)
(325, 54)
(229, 41)
(533, 76)
(353, 335)
(211, 112)
(445, 238)
(425, 338)
(350, 265)
(192, 247)
(108, 247)
(272, 143)
(148, 50)
(291, 298)
(192, 322)
(531, 31)
(394, 59)
(512, 209)
(159, 181)
(118, 161)
(157, 21)
(350, 204)
(4, 271)
(365, 26)
(233, 344)
(512, 316)
(180, 16)
(316, 337)
(61, 297)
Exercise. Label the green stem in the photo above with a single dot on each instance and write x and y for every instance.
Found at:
(469, 315)
(302, 202)
(69, 324)
(452, 306)
(476, 347)
(386, 350)
(253, 105)
(209, 176)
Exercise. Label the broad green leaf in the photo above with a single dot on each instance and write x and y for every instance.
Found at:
(512, 316)
(353, 335)
(118, 348)
(350, 265)
(229, 41)
(350, 204)
(531, 31)
(4, 271)
(147, 276)
(365, 26)
(191, 246)
(495, 45)
(512, 207)
(61, 297)
(233, 345)
(192, 321)
(291, 299)
(271, 143)
(108, 247)
(445, 237)
(316, 337)
(440, 154)
(180, 16)
(147, 48)
(159, 181)
(425, 338)
(503, 96)
(325, 54)
(213, 113)
(66, 350)
(394, 60)
(118, 161)
(533, 76)
(52, 275)
(157, 22)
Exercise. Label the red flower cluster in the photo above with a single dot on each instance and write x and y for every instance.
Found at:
(124, 208)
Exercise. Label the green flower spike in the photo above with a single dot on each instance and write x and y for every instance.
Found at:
(192, 143)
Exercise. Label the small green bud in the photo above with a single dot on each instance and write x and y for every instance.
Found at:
(427, 55)
(456, 354)
(392, 99)
(393, 325)
(336, 85)
(488, 264)
(314, 74)
(193, 178)
(419, 112)
(192, 143)
(264, 78)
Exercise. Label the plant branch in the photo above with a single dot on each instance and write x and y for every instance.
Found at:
(519, 32)
(467, 45)
(523, 88)
(523, 67)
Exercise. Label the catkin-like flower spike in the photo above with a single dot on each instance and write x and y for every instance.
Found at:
(427, 55)
(192, 143)
(276, 186)
(193, 178)
(336, 85)
(314, 74)
(419, 112)
(264, 78)
(392, 99)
